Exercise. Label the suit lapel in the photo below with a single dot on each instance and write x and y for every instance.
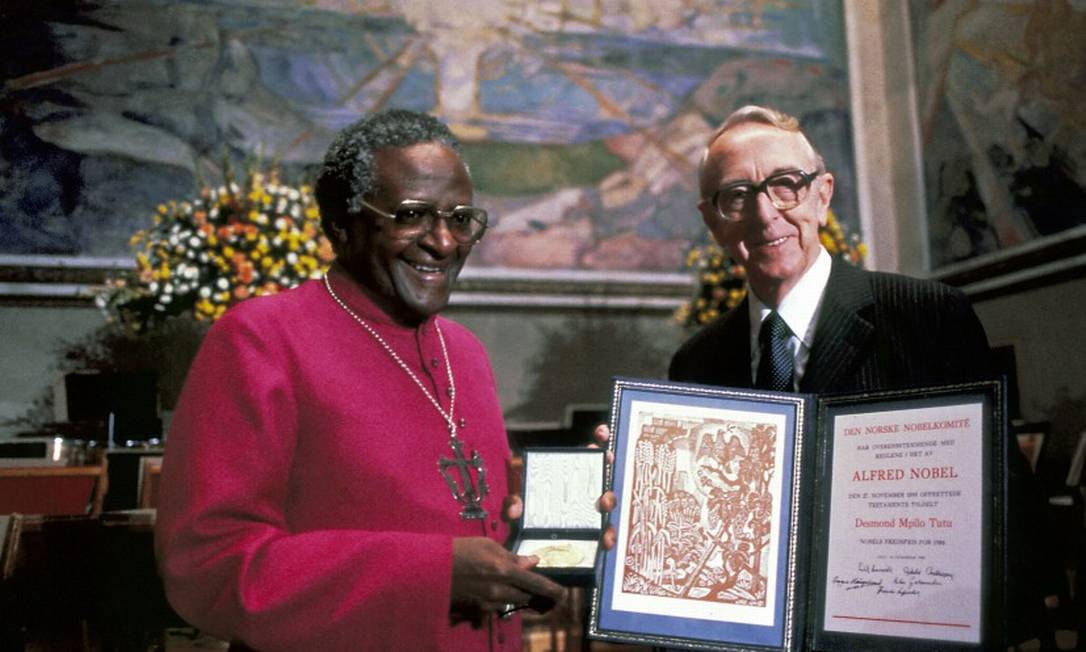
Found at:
(726, 359)
(844, 330)
(735, 370)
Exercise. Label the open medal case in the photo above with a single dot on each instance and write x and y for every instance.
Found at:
(561, 524)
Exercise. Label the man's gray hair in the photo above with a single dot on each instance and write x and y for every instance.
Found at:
(349, 170)
(757, 114)
(764, 115)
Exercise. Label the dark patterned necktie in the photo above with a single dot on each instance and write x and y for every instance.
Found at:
(775, 366)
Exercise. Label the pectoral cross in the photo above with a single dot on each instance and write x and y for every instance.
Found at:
(471, 496)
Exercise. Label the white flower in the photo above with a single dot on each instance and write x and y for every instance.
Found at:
(153, 287)
(194, 241)
(222, 284)
(167, 289)
(204, 292)
(292, 258)
(165, 299)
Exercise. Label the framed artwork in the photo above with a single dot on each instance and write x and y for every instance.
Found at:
(910, 491)
(710, 519)
(755, 521)
(1001, 126)
(582, 122)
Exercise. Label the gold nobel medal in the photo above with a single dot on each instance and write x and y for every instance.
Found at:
(557, 556)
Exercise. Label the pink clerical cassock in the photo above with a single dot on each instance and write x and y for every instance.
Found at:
(302, 507)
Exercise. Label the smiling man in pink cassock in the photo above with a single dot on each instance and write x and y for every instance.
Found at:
(337, 466)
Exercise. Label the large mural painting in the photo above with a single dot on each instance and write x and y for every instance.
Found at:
(583, 120)
(1002, 119)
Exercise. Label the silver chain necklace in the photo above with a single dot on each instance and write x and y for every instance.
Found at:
(471, 495)
(448, 416)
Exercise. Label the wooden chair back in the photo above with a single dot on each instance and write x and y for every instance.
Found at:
(53, 490)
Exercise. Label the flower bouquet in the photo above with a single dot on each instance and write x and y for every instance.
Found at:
(228, 244)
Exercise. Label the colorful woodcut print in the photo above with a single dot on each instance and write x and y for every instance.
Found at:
(701, 510)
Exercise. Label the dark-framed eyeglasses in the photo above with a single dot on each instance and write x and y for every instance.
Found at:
(785, 190)
(413, 218)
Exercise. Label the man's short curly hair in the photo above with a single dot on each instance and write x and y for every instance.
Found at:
(349, 168)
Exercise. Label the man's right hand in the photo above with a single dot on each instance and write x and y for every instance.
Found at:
(607, 501)
(488, 578)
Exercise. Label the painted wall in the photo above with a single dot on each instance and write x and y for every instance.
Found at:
(546, 359)
(29, 350)
(542, 359)
(1046, 326)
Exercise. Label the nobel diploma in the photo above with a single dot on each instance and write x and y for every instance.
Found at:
(905, 530)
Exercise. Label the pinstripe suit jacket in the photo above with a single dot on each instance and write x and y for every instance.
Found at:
(875, 331)
(880, 331)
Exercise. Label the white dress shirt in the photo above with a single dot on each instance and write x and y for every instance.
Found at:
(799, 309)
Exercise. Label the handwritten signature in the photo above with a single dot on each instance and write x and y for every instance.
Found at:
(885, 579)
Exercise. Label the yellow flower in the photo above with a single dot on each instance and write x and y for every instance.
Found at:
(205, 307)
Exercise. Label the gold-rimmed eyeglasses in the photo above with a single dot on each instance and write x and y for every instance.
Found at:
(412, 218)
(785, 190)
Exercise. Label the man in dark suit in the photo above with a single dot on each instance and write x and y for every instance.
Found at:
(765, 191)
